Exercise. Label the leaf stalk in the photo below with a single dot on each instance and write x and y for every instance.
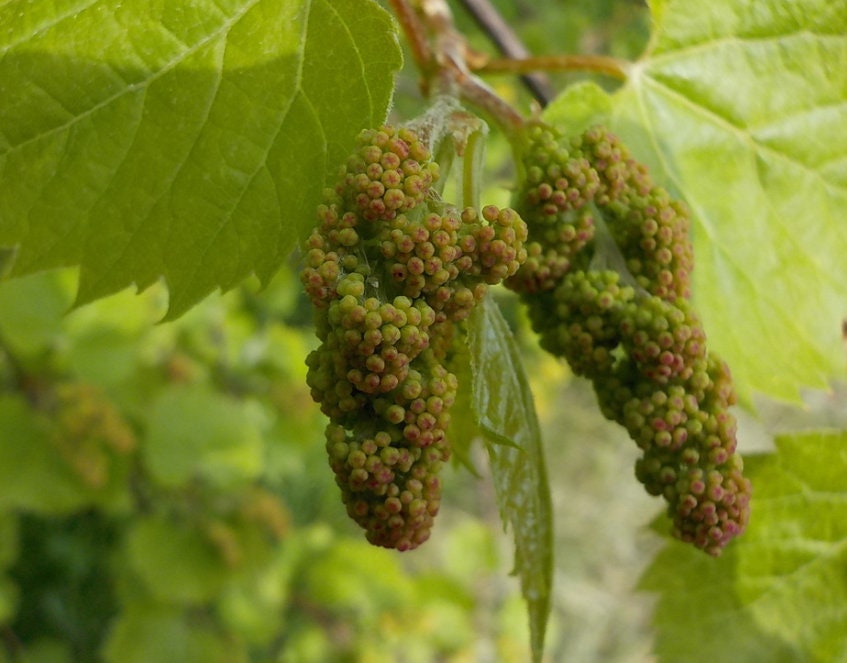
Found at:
(599, 64)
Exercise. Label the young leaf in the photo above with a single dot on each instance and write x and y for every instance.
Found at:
(464, 428)
(739, 108)
(579, 107)
(778, 592)
(503, 405)
(184, 140)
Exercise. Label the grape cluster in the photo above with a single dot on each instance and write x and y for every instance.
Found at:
(391, 270)
(607, 283)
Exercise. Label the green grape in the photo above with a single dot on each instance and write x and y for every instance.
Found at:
(607, 281)
(390, 172)
(555, 200)
(583, 324)
(391, 270)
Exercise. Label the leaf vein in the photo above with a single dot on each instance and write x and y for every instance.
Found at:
(47, 24)
(711, 43)
(362, 66)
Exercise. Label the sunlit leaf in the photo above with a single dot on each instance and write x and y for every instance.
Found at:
(740, 109)
(503, 404)
(578, 107)
(184, 140)
(778, 593)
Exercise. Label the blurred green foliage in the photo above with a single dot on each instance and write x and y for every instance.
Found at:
(165, 496)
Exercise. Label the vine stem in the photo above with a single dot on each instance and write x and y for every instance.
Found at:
(601, 64)
(449, 66)
(415, 33)
(442, 55)
(509, 45)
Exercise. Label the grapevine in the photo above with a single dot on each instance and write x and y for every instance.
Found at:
(170, 491)
(605, 273)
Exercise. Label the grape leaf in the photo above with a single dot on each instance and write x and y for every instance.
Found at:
(740, 109)
(502, 402)
(742, 106)
(188, 141)
(578, 107)
(778, 593)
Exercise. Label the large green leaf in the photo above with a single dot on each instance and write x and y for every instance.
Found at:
(188, 140)
(741, 107)
(502, 403)
(779, 592)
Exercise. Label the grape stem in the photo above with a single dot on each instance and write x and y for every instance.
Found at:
(449, 132)
(415, 34)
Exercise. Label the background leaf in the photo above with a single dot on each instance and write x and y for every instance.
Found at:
(502, 401)
(187, 140)
(30, 461)
(176, 562)
(165, 633)
(779, 592)
(740, 109)
(196, 433)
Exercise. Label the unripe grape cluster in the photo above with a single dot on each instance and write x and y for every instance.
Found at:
(391, 270)
(607, 283)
